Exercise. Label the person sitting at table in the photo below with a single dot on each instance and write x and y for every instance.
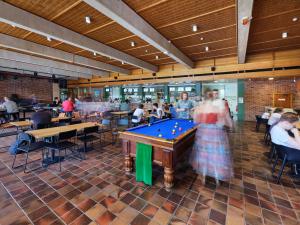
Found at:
(11, 108)
(275, 116)
(156, 114)
(56, 102)
(280, 131)
(138, 114)
(41, 119)
(184, 106)
(267, 114)
(68, 107)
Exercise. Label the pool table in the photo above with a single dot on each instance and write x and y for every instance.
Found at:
(168, 147)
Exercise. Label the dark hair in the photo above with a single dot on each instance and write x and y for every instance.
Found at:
(155, 104)
(278, 110)
(141, 106)
(215, 90)
(171, 105)
(289, 117)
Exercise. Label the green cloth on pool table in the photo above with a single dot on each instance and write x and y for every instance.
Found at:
(143, 163)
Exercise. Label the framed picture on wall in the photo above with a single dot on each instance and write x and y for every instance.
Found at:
(283, 100)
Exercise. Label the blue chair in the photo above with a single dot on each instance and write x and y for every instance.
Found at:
(287, 156)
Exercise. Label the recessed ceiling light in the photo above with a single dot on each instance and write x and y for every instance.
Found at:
(48, 38)
(284, 34)
(95, 54)
(206, 48)
(271, 78)
(194, 28)
(132, 44)
(201, 38)
(146, 51)
(295, 19)
(87, 19)
(156, 57)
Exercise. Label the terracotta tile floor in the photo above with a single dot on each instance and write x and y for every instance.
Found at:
(97, 191)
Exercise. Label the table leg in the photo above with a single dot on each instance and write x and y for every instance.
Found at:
(169, 177)
(128, 164)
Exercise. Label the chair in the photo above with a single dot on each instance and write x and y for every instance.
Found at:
(260, 121)
(88, 137)
(286, 155)
(267, 137)
(26, 146)
(15, 116)
(75, 122)
(63, 143)
(64, 122)
(135, 124)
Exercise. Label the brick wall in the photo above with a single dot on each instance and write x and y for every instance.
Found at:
(25, 86)
(259, 93)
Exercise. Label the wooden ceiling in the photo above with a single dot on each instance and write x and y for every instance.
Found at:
(215, 19)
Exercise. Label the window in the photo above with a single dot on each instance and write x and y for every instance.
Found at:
(188, 89)
(180, 89)
(172, 88)
(146, 89)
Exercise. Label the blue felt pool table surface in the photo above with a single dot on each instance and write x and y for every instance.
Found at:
(164, 128)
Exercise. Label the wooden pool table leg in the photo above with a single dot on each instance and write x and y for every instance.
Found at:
(128, 164)
(169, 177)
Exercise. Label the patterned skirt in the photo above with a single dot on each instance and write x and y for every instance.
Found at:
(211, 155)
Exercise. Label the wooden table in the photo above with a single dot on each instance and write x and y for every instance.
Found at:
(28, 123)
(54, 131)
(167, 150)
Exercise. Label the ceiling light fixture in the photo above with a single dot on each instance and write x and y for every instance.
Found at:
(206, 48)
(123, 63)
(95, 54)
(132, 44)
(201, 38)
(48, 38)
(284, 34)
(166, 52)
(156, 57)
(87, 19)
(146, 51)
(271, 78)
(295, 19)
(194, 28)
(13, 25)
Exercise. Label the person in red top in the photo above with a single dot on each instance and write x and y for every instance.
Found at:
(211, 154)
(68, 107)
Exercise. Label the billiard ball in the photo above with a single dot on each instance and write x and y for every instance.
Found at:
(176, 123)
(160, 135)
(173, 131)
(149, 124)
(179, 128)
(175, 126)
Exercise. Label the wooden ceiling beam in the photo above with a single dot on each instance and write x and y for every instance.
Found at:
(58, 15)
(128, 18)
(244, 10)
(78, 71)
(28, 21)
(41, 50)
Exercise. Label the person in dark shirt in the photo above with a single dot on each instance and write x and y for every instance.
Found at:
(56, 102)
(41, 118)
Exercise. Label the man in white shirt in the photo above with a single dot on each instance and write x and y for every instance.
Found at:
(279, 133)
(275, 116)
(138, 114)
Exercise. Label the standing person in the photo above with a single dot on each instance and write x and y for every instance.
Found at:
(184, 106)
(211, 155)
(10, 107)
(68, 107)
